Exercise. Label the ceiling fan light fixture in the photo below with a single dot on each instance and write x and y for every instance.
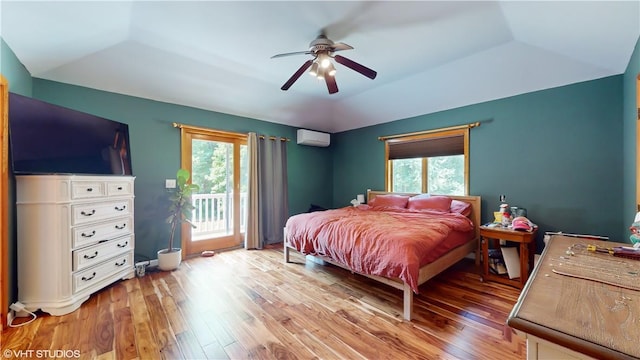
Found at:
(325, 60)
(321, 73)
(314, 69)
(331, 70)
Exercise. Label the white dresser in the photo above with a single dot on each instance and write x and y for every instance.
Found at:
(75, 236)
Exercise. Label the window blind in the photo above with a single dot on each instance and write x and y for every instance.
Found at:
(426, 147)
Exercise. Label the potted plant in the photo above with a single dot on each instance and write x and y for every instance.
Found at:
(180, 211)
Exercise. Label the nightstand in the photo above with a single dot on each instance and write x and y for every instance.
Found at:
(526, 239)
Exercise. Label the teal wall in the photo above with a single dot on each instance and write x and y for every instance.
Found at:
(155, 152)
(555, 152)
(630, 120)
(12, 69)
(20, 82)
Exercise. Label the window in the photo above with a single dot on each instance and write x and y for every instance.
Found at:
(435, 162)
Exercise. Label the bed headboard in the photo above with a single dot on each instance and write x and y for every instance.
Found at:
(475, 202)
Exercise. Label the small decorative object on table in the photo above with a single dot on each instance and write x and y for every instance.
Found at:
(506, 214)
(635, 231)
(619, 251)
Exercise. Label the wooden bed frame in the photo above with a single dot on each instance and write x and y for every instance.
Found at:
(428, 271)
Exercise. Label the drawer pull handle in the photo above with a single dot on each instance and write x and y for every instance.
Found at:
(91, 256)
(124, 261)
(120, 208)
(88, 213)
(119, 187)
(90, 277)
(89, 189)
(123, 245)
(88, 235)
(121, 227)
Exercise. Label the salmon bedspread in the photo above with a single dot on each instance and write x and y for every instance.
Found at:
(389, 242)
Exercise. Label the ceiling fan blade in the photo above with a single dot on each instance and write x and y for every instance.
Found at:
(371, 74)
(292, 53)
(296, 75)
(331, 84)
(341, 46)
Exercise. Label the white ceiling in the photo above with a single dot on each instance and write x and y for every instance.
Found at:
(429, 55)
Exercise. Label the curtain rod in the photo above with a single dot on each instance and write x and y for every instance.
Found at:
(457, 127)
(199, 128)
(205, 129)
(273, 138)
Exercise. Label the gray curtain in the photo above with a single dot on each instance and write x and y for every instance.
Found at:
(252, 237)
(267, 188)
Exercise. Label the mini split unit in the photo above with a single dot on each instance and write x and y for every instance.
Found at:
(313, 138)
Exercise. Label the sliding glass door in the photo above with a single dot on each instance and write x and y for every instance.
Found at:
(218, 165)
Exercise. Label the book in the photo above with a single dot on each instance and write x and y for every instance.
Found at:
(512, 261)
(496, 262)
(497, 266)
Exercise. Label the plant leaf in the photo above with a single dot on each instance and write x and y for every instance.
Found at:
(183, 174)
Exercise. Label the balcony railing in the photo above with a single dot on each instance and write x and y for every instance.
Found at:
(213, 215)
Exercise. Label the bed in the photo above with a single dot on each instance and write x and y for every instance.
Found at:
(399, 239)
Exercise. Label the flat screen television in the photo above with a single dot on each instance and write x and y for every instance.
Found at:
(50, 139)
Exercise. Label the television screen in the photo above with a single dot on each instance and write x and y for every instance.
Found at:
(50, 139)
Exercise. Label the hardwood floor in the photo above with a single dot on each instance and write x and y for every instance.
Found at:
(250, 304)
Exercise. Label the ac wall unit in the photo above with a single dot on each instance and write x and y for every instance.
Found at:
(313, 138)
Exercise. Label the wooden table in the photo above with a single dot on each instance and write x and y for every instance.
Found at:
(568, 311)
(490, 236)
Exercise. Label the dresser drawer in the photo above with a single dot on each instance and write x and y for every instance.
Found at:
(93, 255)
(94, 233)
(84, 213)
(93, 275)
(87, 189)
(120, 188)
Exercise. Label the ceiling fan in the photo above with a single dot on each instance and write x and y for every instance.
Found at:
(322, 49)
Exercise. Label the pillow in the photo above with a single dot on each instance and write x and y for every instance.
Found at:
(461, 207)
(315, 207)
(421, 196)
(398, 201)
(436, 202)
